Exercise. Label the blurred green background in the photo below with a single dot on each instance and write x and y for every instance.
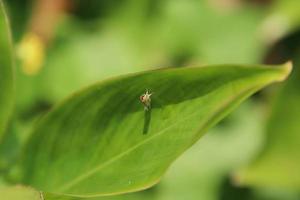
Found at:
(254, 154)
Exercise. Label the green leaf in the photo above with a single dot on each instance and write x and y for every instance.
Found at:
(100, 141)
(193, 176)
(20, 193)
(279, 162)
(6, 71)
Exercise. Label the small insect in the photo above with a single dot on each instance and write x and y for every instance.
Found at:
(146, 100)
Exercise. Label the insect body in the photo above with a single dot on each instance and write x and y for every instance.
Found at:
(146, 100)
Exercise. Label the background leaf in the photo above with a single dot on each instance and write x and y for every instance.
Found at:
(283, 19)
(81, 144)
(6, 71)
(139, 35)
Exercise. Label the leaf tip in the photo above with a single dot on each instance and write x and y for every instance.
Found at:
(284, 71)
(287, 69)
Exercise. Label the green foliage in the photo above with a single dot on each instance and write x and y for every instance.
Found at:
(133, 38)
(83, 142)
(6, 72)
(101, 141)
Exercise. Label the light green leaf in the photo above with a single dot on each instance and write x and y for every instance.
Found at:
(6, 71)
(20, 193)
(100, 141)
(279, 162)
